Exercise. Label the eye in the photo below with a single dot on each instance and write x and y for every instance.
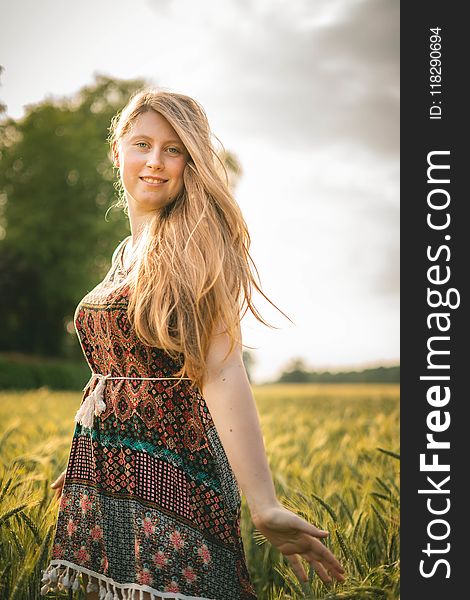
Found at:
(141, 144)
(176, 150)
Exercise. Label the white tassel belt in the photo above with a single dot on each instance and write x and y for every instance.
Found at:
(94, 403)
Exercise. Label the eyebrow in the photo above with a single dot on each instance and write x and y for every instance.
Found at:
(137, 135)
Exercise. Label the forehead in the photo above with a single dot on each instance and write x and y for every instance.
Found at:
(153, 125)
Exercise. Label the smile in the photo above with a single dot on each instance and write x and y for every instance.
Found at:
(153, 180)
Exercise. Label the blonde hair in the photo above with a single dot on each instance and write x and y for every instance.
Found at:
(190, 272)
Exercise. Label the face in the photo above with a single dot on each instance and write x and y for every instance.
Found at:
(151, 159)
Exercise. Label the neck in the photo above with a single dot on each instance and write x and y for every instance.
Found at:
(137, 221)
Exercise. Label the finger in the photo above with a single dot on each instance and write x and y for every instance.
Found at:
(320, 552)
(58, 481)
(321, 571)
(335, 571)
(307, 527)
(325, 571)
(297, 567)
(337, 575)
(333, 564)
(304, 526)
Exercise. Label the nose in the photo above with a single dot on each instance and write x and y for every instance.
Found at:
(154, 159)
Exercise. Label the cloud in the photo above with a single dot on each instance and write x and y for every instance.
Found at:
(305, 73)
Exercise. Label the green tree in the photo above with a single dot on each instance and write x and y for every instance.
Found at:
(295, 372)
(56, 183)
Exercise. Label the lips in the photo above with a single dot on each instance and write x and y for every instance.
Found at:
(153, 180)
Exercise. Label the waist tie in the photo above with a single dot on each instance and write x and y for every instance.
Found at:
(94, 403)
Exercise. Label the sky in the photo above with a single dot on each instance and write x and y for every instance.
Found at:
(306, 95)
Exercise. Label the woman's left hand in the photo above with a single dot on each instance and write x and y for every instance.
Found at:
(295, 538)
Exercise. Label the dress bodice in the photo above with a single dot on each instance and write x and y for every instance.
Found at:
(108, 340)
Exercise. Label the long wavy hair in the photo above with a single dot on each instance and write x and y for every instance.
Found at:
(190, 273)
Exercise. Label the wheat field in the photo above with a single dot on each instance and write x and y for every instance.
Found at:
(334, 456)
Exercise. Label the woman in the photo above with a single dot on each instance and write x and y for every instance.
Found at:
(168, 431)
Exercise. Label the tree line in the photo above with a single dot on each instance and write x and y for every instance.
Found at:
(298, 372)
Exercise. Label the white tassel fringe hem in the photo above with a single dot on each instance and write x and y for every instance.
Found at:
(62, 574)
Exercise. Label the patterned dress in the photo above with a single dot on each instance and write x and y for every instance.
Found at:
(150, 502)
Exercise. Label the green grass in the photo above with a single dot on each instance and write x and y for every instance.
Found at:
(334, 455)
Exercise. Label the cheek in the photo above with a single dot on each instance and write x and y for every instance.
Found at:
(178, 173)
(129, 167)
(132, 161)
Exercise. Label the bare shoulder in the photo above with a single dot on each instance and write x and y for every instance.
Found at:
(219, 348)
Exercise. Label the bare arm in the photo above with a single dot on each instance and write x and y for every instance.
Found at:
(230, 400)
